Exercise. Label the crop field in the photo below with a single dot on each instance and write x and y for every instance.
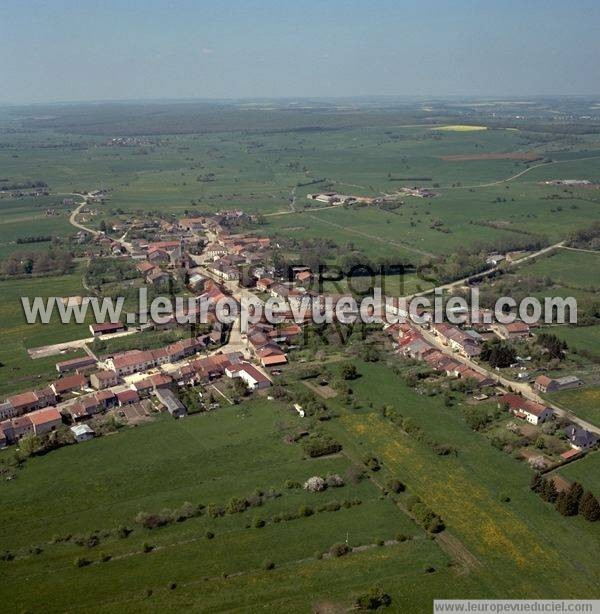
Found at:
(19, 372)
(204, 459)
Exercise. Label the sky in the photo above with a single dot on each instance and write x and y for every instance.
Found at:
(66, 50)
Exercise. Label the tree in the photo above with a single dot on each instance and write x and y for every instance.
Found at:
(373, 599)
(349, 371)
(536, 482)
(498, 354)
(548, 491)
(589, 507)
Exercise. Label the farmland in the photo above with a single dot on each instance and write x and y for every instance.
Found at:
(19, 370)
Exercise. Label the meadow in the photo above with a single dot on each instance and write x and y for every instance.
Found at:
(18, 371)
(203, 459)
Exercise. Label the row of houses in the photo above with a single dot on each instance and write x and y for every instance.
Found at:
(133, 361)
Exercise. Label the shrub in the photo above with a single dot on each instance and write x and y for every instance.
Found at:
(381, 542)
(214, 510)
(82, 562)
(7, 555)
(315, 484)
(209, 535)
(268, 565)
(104, 558)
(292, 484)
(394, 485)
(123, 532)
(401, 537)
(258, 523)
(373, 599)
(334, 480)
(339, 549)
(372, 463)
(305, 510)
(332, 506)
(153, 521)
(320, 445)
(318, 555)
(236, 505)
(146, 547)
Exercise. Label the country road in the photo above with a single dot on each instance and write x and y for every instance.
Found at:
(522, 387)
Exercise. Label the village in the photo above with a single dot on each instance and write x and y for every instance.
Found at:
(208, 258)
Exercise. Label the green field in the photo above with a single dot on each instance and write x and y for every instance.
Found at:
(208, 459)
(19, 372)
(480, 199)
(584, 402)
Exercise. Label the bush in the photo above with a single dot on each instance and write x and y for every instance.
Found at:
(315, 484)
(305, 511)
(209, 535)
(372, 463)
(123, 532)
(82, 562)
(258, 523)
(292, 484)
(320, 445)
(381, 542)
(394, 485)
(373, 599)
(268, 565)
(401, 537)
(104, 558)
(153, 521)
(332, 506)
(146, 547)
(339, 550)
(333, 480)
(236, 505)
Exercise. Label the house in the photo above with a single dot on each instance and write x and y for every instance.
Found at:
(69, 383)
(145, 267)
(543, 383)
(514, 330)
(270, 356)
(45, 420)
(24, 402)
(249, 374)
(127, 397)
(192, 223)
(16, 428)
(104, 379)
(580, 439)
(132, 361)
(264, 284)
(214, 250)
(6, 411)
(75, 363)
(171, 403)
(3, 441)
(105, 328)
(197, 282)
(303, 277)
(105, 399)
(82, 432)
(532, 412)
(158, 277)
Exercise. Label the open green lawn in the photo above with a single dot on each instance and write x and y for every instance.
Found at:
(19, 372)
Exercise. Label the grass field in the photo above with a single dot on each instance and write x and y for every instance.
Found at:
(207, 458)
(569, 268)
(512, 547)
(19, 372)
(584, 402)
(261, 172)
